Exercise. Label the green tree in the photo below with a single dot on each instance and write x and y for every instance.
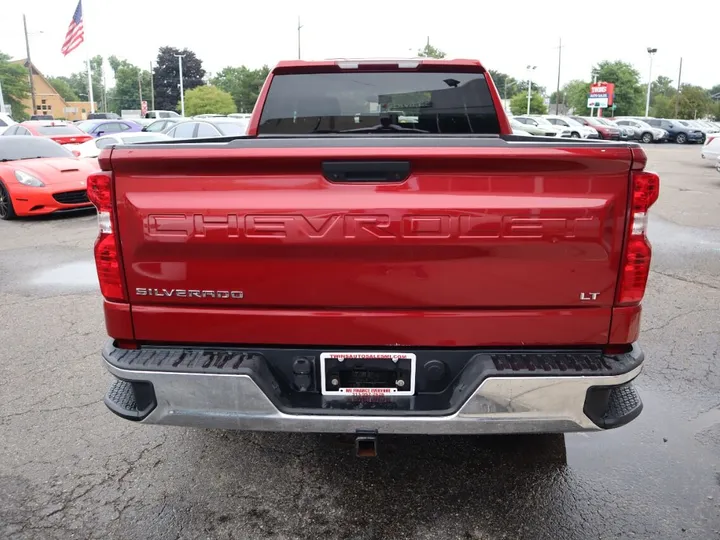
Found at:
(506, 85)
(428, 51)
(629, 93)
(78, 81)
(15, 86)
(167, 76)
(126, 92)
(208, 100)
(522, 87)
(662, 86)
(663, 106)
(715, 90)
(694, 102)
(62, 85)
(243, 84)
(715, 111)
(575, 96)
(518, 104)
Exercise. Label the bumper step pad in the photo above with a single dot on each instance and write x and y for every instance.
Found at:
(614, 406)
(130, 400)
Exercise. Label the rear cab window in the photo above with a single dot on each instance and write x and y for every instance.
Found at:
(59, 129)
(422, 101)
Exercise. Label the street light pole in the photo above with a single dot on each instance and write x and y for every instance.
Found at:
(182, 93)
(152, 86)
(530, 70)
(140, 86)
(651, 51)
(557, 93)
(30, 69)
(677, 97)
(298, 30)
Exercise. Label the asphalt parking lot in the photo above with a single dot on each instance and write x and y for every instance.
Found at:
(71, 469)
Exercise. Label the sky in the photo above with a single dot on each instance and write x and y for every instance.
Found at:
(505, 36)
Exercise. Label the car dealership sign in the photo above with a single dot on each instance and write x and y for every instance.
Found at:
(601, 95)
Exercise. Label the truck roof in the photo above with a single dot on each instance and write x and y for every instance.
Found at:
(355, 63)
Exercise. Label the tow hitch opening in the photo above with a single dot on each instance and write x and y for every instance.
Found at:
(366, 445)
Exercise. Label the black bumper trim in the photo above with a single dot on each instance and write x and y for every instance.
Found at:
(464, 371)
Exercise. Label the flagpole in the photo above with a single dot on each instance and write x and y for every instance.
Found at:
(89, 72)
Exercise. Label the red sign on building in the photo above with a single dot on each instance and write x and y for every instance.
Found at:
(602, 91)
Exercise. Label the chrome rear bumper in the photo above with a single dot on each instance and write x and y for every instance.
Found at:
(534, 404)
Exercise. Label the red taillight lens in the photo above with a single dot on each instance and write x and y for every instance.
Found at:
(107, 255)
(636, 258)
(107, 261)
(99, 190)
(646, 189)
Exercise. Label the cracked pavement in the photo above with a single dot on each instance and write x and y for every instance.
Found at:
(71, 469)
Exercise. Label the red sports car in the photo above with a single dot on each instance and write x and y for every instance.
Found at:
(60, 132)
(38, 176)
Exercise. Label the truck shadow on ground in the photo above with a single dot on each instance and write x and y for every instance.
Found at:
(418, 487)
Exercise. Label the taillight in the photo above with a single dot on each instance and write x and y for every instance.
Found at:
(710, 139)
(107, 252)
(638, 252)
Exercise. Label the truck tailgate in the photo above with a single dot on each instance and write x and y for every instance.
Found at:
(483, 242)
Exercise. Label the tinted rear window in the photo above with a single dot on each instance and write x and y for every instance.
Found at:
(454, 103)
(58, 130)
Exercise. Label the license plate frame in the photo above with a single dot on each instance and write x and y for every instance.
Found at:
(393, 357)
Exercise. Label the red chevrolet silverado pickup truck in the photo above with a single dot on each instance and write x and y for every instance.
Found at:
(378, 255)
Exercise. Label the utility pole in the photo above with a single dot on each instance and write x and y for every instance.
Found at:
(298, 30)
(30, 68)
(557, 94)
(182, 92)
(677, 97)
(140, 86)
(152, 86)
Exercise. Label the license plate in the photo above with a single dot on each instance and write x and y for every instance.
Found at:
(367, 374)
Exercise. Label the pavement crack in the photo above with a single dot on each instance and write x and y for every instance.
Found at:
(675, 317)
(687, 280)
(132, 464)
(35, 411)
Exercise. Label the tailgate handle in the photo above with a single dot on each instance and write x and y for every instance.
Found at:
(366, 171)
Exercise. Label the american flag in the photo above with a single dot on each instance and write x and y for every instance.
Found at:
(75, 34)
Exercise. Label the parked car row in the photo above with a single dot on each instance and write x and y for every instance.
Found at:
(87, 130)
(678, 131)
(644, 129)
(575, 127)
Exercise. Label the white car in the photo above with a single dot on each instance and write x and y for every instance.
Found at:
(711, 148)
(542, 123)
(92, 148)
(522, 132)
(5, 122)
(577, 130)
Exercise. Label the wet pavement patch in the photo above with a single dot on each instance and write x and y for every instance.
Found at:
(82, 275)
